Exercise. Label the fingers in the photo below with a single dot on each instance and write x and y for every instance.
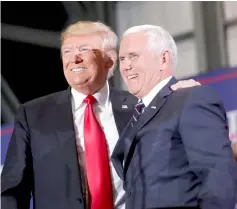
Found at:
(185, 84)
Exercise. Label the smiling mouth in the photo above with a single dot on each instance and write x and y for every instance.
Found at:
(78, 70)
(130, 77)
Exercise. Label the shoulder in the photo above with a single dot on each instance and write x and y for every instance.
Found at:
(122, 95)
(203, 101)
(198, 93)
(119, 92)
(33, 110)
(196, 98)
(45, 101)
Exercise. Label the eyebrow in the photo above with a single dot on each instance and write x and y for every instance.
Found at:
(70, 46)
(66, 47)
(130, 53)
(84, 45)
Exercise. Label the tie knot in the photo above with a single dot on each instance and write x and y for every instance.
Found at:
(140, 107)
(90, 100)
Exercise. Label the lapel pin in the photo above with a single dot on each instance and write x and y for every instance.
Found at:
(124, 107)
(153, 107)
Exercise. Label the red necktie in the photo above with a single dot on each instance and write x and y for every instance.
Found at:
(97, 162)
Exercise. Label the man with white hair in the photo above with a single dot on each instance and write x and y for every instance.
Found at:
(61, 143)
(175, 151)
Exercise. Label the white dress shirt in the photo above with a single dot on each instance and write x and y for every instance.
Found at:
(150, 96)
(104, 114)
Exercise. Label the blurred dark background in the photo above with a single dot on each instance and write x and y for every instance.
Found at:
(30, 44)
(30, 69)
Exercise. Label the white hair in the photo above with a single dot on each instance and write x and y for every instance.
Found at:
(109, 42)
(159, 39)
(110, 39)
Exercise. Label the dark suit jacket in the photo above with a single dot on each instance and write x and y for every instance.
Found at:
(178, 154)
(42, 156)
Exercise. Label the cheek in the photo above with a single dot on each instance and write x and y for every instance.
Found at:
(66, 63)
(124, 73)
(91, 61)
(141, 64)
(121, 68)
(96, 66)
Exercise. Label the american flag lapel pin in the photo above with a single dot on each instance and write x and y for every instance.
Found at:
(124, 107)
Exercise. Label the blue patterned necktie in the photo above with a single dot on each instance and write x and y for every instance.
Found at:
(138, 110)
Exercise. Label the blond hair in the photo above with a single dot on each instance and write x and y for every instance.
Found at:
(109, 38)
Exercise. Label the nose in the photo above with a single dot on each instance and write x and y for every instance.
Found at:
(77, 59)
(127, 64)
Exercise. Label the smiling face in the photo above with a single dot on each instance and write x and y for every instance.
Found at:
(142, 67)
(139, 65)
(85, 66)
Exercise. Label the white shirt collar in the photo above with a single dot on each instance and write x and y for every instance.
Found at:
(102, 97)
(150, 96)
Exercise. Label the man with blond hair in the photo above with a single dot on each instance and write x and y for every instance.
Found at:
(61, 143)
(175, 151)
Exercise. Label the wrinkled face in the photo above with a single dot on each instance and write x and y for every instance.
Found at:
(139, 65)
(85, 66)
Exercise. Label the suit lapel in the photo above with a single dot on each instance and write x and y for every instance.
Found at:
(153, 108)
(122, 106)
(66, 134)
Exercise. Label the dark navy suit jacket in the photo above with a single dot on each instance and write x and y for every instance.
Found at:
(42, 157)
(178, 154)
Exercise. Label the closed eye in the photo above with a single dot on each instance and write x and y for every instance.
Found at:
(133, 55)
(84, 49)
(66, 51)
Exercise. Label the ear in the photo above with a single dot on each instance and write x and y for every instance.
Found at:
(112, 59)
(165, 60)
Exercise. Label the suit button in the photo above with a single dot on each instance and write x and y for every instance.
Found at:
(79, 200)
(128, 193)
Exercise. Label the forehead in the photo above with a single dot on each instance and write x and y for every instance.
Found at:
(133, 42)
(82, 40)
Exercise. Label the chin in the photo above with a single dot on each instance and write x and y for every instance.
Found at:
(82, 82)
(131, 91)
